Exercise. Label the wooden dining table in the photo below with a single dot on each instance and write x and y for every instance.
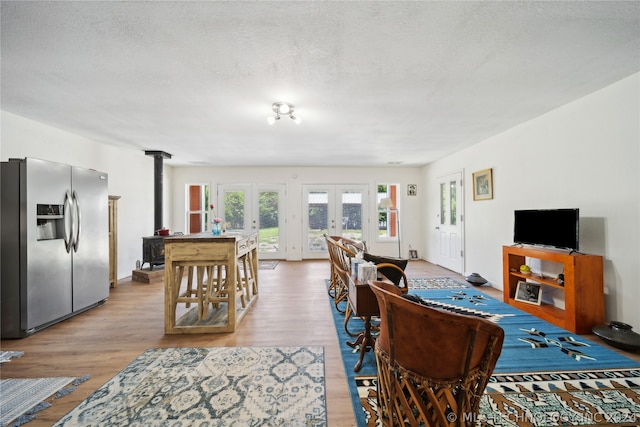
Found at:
(233, 257)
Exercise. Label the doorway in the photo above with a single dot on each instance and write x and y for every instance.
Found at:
(337, 210)
(256, 207)
(450, 227)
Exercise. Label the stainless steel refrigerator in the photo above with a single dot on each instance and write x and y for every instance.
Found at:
(54, 259)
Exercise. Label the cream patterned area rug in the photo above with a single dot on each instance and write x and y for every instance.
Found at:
(216, 386)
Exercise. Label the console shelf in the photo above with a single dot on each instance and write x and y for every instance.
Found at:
(583, 287)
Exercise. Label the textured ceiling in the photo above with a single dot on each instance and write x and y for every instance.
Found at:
(374, 82)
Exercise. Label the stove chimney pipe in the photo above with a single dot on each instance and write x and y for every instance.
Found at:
(158, 157)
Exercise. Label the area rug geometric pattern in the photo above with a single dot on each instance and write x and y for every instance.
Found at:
(434, 283)
(545, 376)
(541, 399)
(545, 399)
(217, 386)
(22, 398)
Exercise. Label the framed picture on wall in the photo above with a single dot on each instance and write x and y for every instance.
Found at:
(483, 185)
(528, 292)
(412, 189)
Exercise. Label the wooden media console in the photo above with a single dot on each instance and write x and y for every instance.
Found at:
(583, 287)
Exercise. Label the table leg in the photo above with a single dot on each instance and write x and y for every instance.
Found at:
(365, 340)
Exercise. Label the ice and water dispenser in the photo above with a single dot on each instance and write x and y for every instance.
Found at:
(50, 222)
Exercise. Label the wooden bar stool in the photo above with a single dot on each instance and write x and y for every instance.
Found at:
(247, 283)
(207, 287)
(215, 288)
(252, 261)
(240, 284)
(191, 294)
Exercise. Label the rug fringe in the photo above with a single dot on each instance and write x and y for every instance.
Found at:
(6, 356)
(30, 414)
(81, 379)
(23, 419)
(72, 387)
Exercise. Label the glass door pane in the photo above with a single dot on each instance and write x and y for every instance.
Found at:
(317, 222)
(234, 207)
(453, 219)
(351, 208)
(268, 221)
(449, 228)
(271, 221)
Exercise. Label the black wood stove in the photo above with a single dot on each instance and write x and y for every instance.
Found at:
(153, 251)
(153, 246)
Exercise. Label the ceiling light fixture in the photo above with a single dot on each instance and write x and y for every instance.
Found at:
(284, 109)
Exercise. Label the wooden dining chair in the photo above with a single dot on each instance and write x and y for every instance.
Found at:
(340, 261)
(391, 267)
(433, 365)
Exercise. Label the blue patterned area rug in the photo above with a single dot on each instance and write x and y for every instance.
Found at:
(221, 386)
(545, 376)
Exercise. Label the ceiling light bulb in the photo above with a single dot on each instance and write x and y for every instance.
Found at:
(284, 109)
(271, 120)
(296, 119)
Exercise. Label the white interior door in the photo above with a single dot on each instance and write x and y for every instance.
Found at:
(450, 223)
(337, 210)
(252, 207)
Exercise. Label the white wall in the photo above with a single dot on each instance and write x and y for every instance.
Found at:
(293, 178)
(584, 155)
(130, 175)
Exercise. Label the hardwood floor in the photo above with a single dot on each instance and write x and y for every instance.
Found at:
(292, 309)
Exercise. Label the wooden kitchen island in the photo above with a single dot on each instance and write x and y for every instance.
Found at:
(210, 281)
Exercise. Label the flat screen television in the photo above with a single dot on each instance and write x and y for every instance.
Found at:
(557, 228)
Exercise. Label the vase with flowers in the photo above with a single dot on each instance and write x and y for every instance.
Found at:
(216, 226)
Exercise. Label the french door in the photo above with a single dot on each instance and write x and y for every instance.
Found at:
(337, 210)
(450, 222)
(256, 207)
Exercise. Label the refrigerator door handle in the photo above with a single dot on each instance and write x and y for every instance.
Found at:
(77, 221)
(68, 222)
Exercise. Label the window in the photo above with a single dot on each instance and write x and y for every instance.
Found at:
(388, 206)
(197, 203)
